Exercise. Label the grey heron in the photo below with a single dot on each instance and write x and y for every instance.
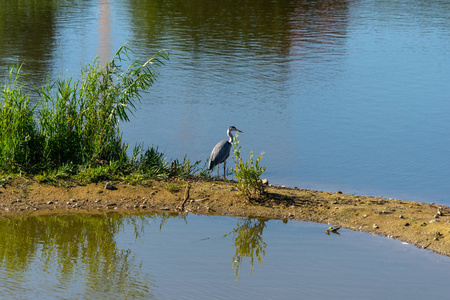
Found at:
(221, 152)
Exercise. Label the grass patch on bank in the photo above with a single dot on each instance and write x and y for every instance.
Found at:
(71, 134)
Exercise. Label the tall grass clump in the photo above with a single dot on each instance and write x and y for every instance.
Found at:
(248, 174)
(20, 148)
(79, 119)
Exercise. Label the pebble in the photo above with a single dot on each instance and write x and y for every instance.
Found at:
(109, 186)
(401, 217)
(376, 226)
(265, 181)
(50, 202)
(433, 221)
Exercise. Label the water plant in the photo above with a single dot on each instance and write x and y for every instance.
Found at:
(248, 174)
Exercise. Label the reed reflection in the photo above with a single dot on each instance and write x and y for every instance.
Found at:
(261, 27)
(248, 242)
(27, 34)
(30, 34)
(67, 246)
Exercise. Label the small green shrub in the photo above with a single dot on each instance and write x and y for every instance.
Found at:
(248, 174)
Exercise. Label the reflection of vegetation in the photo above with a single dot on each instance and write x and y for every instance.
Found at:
(26, 28)
(76, 245)
(263, 27)
(248, 242)
(29, 30)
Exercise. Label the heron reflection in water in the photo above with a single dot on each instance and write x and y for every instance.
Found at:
(221, 152)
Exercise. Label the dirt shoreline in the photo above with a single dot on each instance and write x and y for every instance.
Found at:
(424, 225)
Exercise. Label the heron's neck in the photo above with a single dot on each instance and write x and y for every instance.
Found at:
(230, 136)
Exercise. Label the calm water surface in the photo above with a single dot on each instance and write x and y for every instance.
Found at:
(340, 95)
(348, 95)
(162, 256)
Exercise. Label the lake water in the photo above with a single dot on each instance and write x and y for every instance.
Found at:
(340, 95)
(162, 256)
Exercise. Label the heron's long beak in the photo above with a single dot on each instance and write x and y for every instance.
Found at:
(239, 131)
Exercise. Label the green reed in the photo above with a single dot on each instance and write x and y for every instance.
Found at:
(79, 119)
(73, 129)
(20, 140)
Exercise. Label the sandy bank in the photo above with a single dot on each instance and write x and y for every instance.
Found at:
(424, 225)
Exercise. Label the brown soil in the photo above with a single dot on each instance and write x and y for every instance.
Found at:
(424, 225)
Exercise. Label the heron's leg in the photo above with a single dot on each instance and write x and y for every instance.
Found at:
(224, 170)
(218, 169)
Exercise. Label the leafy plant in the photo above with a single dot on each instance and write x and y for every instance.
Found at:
(248, 174)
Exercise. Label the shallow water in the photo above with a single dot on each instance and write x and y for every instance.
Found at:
(163, 256)
(340, 95)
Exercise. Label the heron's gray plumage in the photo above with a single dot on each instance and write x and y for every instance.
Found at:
(219, 154)
(221, 151)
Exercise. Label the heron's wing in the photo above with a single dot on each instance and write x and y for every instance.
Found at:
(219, 154)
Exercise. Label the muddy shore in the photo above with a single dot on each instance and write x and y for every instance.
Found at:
(424, 225)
